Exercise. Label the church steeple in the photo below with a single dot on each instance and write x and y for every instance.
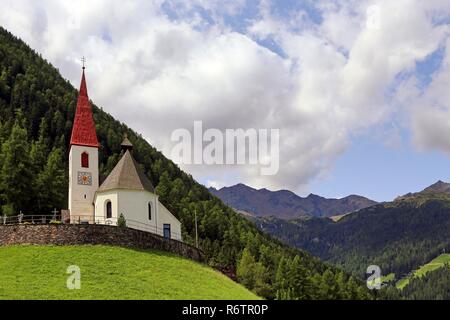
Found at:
(83, 159)
(83, 87)
(83, 131)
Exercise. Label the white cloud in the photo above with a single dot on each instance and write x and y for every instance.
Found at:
(430, 110)
(156, 74)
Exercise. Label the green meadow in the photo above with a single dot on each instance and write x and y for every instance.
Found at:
(107, 272)
(436, 263)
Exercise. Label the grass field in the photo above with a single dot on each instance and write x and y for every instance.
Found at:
(40, 272)
(437, 263)
(384, 279)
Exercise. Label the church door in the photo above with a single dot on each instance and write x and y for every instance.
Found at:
(167, 231)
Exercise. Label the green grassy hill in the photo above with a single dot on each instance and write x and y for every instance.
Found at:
(434, 264)
(39, 272)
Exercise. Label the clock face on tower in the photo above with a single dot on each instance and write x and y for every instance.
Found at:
(85, 178)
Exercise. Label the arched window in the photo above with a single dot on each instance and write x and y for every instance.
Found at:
(149, 211)
(85, 160)
(108, 209)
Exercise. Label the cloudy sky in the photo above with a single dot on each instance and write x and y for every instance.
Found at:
(360, 90)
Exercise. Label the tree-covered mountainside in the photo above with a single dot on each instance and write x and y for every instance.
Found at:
(439, 262)
(37, 107)
(432, 286)
(285, 204)
(399, 236)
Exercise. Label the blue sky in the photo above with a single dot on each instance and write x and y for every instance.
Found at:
(358, 89)
(380, 172)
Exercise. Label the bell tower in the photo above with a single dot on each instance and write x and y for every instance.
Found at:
(83, 160)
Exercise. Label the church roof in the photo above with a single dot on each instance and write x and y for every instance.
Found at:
(83, 131)
(127, 175)
(126, 144)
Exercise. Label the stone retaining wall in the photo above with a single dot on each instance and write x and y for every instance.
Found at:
(74, 234)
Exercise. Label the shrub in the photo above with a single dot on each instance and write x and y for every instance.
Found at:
(121, 222)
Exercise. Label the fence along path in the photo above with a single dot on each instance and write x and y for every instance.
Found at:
(56, 219)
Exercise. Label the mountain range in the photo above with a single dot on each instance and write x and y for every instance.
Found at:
(399, 236)
(285, 204)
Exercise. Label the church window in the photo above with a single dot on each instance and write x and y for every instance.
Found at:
(149, 211)
(108, 210)
(85, 160)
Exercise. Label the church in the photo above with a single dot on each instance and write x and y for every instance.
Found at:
(126, 191)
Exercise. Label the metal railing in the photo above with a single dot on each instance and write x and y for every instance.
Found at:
(83, 219)
(132, 224)
(30, 219)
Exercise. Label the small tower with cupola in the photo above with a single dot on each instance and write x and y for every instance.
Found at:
(83, 160)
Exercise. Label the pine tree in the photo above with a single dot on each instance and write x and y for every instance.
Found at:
(39, 148)
(163, 188)
(177, 190)
(328, 287)
(4, 88)
(245, 269)
(15, 173)
(50, 181)
(298, 279)
(261, 286)
(281, 280)
(345, 290)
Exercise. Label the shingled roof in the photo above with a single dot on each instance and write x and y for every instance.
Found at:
(127, 175)
(83, 131)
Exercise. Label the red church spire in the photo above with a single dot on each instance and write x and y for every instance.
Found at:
(83, 131)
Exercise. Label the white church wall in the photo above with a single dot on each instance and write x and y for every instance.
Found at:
(100, 207)
(81, 195)
(165, 216)
(133, 204)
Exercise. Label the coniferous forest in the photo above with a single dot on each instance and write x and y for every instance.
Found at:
(37, 107)
(399, 236)
(432, 286)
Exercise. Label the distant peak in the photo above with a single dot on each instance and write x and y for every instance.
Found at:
(313, 196)
(239, 186)
(439, 186)
(242, 186)
(439, 183)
